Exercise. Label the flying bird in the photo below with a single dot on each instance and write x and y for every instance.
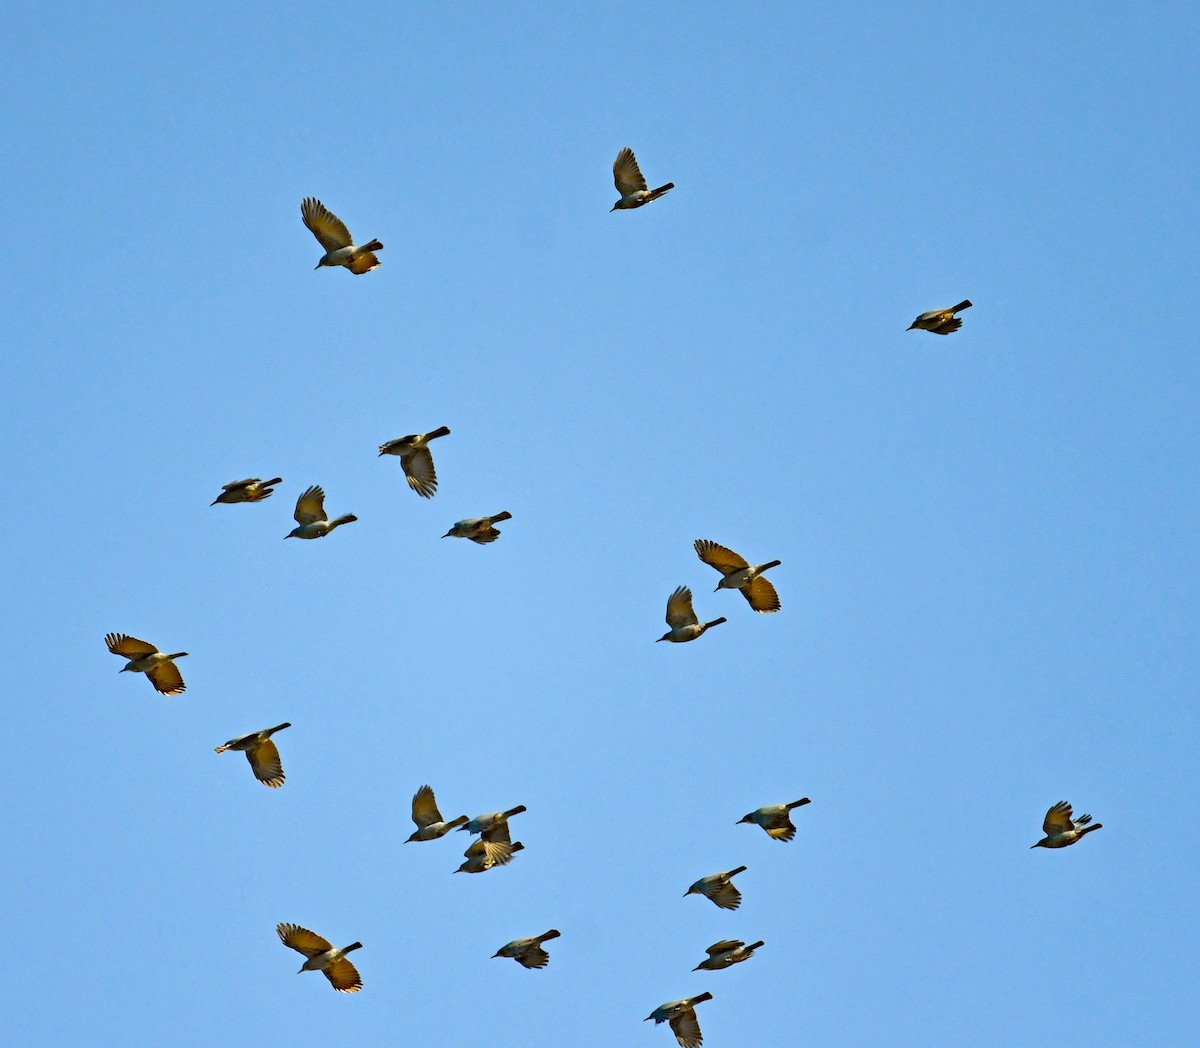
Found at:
(682, 1017)
(528, 952)
(416, 460)
(322, 957)
(631, 184)
(738, 574)
(425, 814)
(262, 754)
(682, 619)
(493, 821)
(146, 658)
(482, 856)
(251, 490)
(775, 819)
(725, 953)
(719, 888)
(311, 516)
(941, 321)
(335, 238)
(1061, 830)
(478, 529)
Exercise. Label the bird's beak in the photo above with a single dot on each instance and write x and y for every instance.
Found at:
(717, 590)
(317, 266)
(300, 972)
(122, 669)
(495, 955)
(214, 502)
(612, 209)
(910, 327)
(448, 534)
(1033, 846)
(696, 969)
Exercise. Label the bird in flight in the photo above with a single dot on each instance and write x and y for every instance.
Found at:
(631, 183)
(311, 516)
(528, 952)
(146, 658)
(262, 754)
(416, 460)
(251, 490)
(681, 1015)
(1062, 830)
(322, 957)
(737, 573)
(430, 825)
(478, 529)
(719, 888)
(334, 237)
(723, 954)
(941, 321)
(682, 619)
(775, 819)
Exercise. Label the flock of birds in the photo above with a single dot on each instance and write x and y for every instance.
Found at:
(495, 846)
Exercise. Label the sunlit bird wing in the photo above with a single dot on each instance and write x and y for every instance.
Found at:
(344, 976)
(302, 940)
(264, 761)
(626, 173)
(424, 808)
(679, 609)
(329, 230)
(686, 1029)
(310, 507)
(720, 557)
(761, 594)
(724, 946)
(418, 468)
(130, 647)
(166, 678)
(1058, 819)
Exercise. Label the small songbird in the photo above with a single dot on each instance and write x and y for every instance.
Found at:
(251, 490)
(740, 575)
(719, 888)
(482, 856)
(335, 238)
(478, 529)
(492, 821)
(262, 754)
(682, 1017)
(311, 516)
(682, 619)
(146, 658)
(1061, 830)
(528, 952)
(774, 818)
(322, 957)
(941, 321)
(416, 460)
(723, 954)
(631, 184)
(425, 814)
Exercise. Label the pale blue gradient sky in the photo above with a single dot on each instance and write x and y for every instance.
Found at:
(989, 575)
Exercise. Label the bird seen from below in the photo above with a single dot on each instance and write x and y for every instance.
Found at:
(492, 821)
(719, 888)
(262, 754)
(739, 574)
(681, 1015)
(478, 529)
(481, 857)
(311, 516)
(941, 321)
(430, 825)
(146, 658)
(682, 619)
(631, 184)
(1061, 830)
(725, 953)
(334, 237)
(322, 957)
(416, 460)
(251, 490)
(528, 952)
(775, 819)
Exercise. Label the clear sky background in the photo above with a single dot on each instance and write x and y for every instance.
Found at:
(989, 576)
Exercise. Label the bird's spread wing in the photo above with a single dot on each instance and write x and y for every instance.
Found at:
(302, 940)
(727, 896)
(724, 946)
(344, 976)
(686, 1029)
(533, 956)
(679, 609)
(1058, 819)
(130, 647)
(325, 225)
(498, 832)
(235, 484)
(782, 830)
(498, 853)
(264, 761)
(486, 535)
(424, 808)
(761, 594)
(418, 467)
(166, 678)
(310, 507)
(720, 557)
(626, 173)
(363, 262)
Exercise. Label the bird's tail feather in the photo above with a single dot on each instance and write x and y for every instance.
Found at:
(656, 193)
(706, 996)
(964, 304)
(279, 727)
(1088, 829)
(353, 946)
(441, 431)
(503, 515)
(715, 622)
(772, 564)
(347, 519)
(796, 804)
(375, 245)
(273, 480)
(177, 655)
(733, 873)
(756, 945)
(515, 811)
(553, 933)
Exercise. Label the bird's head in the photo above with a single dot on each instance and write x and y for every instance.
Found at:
(665, 636)
(693, 890)
(745, 818)
(300, 972)
(414, 837)
(449, 534)
(1040, 844)
(214, 502)
(497, 954)
(293, 534)
(127, 666)
(911, 327)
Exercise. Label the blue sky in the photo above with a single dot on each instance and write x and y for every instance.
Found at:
(988, 540)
